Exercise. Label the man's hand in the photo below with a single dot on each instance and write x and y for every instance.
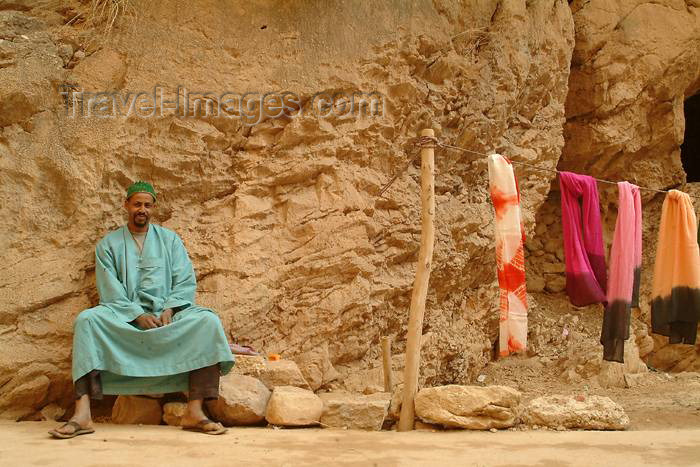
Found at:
(167, 316)
(148, 321)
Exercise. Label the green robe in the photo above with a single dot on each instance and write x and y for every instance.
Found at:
(135, 361)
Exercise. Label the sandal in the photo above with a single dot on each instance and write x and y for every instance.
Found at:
(199, 427)
(77, 430)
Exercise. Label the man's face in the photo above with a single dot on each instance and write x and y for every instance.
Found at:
(139, 207)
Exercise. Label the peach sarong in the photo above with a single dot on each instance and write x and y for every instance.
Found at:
(675, 305)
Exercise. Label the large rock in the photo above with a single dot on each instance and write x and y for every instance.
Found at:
(173, 412)
(282, 373)
(242, 401)
(582, 412)
(354, 411)
(293, 406)
(134, 410)
(316, 367)
(471, 407)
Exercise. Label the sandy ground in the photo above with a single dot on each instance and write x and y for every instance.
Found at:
(27, 443)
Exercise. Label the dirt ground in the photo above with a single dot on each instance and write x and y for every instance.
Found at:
(26, 443)
(665, 430)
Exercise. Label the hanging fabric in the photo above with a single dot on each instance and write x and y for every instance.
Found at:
(510, 256)
(675, 306)
(625, 267)
(583, 239)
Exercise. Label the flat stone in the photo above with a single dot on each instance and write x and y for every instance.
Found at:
(242, 401)
(293, 406)
(471, 407)
(282, 373)
(582, 412)
(354, 411)
(135, 410)
(249, 365)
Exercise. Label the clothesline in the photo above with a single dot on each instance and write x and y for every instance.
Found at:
(430, 141)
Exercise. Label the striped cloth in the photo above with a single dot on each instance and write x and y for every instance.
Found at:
(510, 257)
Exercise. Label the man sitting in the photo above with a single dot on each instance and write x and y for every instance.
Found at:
(147, 335)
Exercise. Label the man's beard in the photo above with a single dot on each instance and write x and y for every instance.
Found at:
(140, 221)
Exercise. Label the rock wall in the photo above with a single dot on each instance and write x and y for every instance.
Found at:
(633, 65)
(291, 244)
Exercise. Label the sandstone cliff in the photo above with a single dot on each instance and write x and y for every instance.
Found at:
(291, 244)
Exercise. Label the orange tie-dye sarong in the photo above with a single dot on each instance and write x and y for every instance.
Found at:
(510, 256)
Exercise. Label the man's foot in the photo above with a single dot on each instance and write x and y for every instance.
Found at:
(206, 426)
(71, 429)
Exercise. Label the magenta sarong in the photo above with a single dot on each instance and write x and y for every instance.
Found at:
(583, 239)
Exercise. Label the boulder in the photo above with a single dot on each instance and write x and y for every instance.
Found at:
(576, 412)
(133, 410)
(293, 406)
(316, 367)
(173, 412)
(242, 401)
(354, 411)
(282, 373)
(471, 407)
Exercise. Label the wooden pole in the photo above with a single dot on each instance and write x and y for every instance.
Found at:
(420, 285)
(386, 359)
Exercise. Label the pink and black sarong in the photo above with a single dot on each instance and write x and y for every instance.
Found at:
(625, 267)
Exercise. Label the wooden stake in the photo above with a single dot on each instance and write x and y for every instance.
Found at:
(420, 285)
(386, 359)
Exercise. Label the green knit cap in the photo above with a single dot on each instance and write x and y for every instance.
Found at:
(141, 187)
